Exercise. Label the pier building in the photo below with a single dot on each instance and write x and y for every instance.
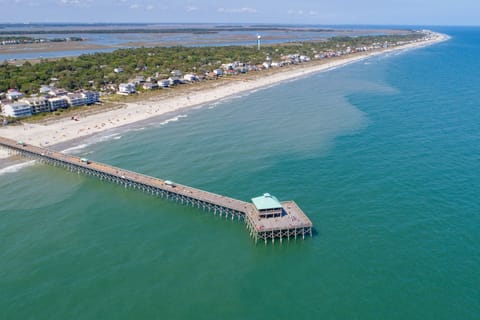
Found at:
(268, 206)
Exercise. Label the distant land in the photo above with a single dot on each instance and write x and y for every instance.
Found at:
(107, 37)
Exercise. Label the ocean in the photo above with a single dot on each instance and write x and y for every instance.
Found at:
(383, 155)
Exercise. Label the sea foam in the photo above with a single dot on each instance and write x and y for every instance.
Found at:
(17, 167)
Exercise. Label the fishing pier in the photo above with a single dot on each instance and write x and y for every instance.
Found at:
(265, 218)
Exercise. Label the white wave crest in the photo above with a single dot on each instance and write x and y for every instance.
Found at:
(17, 167)
(173, 119)
(75, 148)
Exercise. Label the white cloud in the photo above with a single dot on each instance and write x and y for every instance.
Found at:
(191, 8)
(237, 10)
(295, 12)
(76, 3)
(146, 7)
(302, 12)
(29, 3)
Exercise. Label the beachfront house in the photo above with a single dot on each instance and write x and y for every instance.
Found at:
(277, 64)
(150, 86)
(57, 103)
(13, 94)
(237, 65)
(126, 88)
(304, 58)
(190, 77)
(174, 81)
(75, 99)
(165, 83)
(91, 97)
(17, 109)
(151, 79)
(242, 69)
(37, 104)
(218, 72)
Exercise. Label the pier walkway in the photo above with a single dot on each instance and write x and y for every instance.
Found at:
(292, 223)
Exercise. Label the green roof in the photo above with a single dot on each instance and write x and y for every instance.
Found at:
(266, 202)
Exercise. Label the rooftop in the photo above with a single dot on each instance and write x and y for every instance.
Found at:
(266, 202)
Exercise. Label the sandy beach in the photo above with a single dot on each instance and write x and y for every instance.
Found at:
(67, 130)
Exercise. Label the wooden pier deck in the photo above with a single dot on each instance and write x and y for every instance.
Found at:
(291, 224)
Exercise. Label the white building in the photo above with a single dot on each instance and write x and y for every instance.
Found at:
(304, 58)
(174, 81)
(56, 103)
(13, 94)
(75, 99)
(150, 85)
(91, 97)
(165, 83)
(276, 64)
(190, 77)
(37, 104)
(17, 109)
(218, 72)
(126, 88)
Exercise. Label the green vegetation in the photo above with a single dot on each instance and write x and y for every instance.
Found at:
(98, 68)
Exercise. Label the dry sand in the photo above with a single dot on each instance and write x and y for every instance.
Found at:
(64, 130)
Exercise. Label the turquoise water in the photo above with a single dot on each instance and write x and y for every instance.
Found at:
(383, 155)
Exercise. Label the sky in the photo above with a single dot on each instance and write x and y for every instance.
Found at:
(322, 12)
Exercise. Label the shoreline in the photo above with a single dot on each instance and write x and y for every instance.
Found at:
(66, 133)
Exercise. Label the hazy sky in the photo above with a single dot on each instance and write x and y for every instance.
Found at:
(411, 12)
